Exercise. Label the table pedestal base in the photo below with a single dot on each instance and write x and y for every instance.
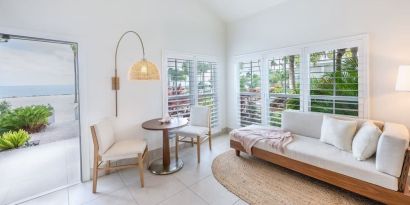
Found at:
(158, 168)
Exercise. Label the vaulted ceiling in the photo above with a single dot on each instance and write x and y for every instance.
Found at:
(231, 10)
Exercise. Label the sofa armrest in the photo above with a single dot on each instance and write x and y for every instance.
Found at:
(391, 149)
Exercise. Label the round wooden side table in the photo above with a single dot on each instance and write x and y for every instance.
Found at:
(165, 165)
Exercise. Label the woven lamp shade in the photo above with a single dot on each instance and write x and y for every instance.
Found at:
(143, 70)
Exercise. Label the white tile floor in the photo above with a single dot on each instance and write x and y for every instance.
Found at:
(31, 171)
(194, 184)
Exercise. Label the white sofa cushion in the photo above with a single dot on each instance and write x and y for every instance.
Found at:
(338, 132)
(365, 141)
(312, 151)
(302, 123)
(391, 149)
(105, 134)
(125, 149)
(309, 124)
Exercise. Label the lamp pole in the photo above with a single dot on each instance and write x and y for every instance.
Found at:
(116, 80)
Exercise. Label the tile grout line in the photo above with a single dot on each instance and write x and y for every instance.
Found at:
(185, 187)
(100, 196)
(127, 188)
(190, 188)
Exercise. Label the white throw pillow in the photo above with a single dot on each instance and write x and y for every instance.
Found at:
(338, 133)
(365, 142)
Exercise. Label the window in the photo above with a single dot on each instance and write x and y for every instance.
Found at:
(250, 93)
(207, 95)
(284, 86)
(328, 77)
(191, 81)
(180, 91)
(334, 81)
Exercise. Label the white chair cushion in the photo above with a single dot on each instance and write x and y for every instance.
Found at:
(312, 151)
(125, 149)
(338, 133)
(192, 131)
(365, 142)
(199, 116)
(105, 134)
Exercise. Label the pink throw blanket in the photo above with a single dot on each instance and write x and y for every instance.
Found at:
(249, 136)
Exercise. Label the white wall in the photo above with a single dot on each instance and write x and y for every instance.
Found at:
(299, 21)
(179, 25)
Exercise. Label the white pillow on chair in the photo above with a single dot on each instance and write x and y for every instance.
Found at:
(105, 134)
(338, 133)
(199, 116)
(365, 142)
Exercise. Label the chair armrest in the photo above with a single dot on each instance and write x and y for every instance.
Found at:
(391, 149)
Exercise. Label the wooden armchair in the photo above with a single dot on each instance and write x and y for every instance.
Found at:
(107, 149)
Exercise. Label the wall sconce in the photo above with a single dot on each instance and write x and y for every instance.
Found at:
(141, 70)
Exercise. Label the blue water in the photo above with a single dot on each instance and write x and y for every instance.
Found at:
(35, 90)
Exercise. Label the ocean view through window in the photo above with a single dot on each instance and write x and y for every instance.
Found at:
(35, 90)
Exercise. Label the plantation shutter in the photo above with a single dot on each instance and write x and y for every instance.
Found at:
(284, 86)
(250, 100)
(191, 82)
(181, 95)
(334, 81)
(207, 90)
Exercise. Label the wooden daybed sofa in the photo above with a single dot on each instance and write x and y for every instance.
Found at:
(382, 178)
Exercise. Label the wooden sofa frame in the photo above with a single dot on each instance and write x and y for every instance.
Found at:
(372, 191)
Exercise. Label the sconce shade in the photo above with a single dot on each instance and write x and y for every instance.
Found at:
(403, 78)
(143, 70)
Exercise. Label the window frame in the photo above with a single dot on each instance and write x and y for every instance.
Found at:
(304, 50)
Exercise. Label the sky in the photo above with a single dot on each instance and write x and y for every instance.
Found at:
(25, 62)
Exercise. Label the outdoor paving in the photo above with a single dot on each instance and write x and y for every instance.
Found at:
(56, 132)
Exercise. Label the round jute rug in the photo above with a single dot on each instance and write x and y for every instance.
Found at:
(258, 182)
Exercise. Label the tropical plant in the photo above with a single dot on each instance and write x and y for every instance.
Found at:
(4, 107)
(30, 118)
(13, 139)
(344, 81)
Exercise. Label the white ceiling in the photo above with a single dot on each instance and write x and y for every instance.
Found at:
(231, 10)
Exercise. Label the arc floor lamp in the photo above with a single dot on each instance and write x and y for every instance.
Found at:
(141, 70)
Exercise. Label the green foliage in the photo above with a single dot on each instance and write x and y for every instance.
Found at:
(179, 73)
(30, 118)
(13, 139)
(344, 82)
(250, 81)
(4, 107)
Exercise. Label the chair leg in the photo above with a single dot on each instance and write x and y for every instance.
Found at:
(210, 141)
(198, 147)
(146, 159)
(95, 174)
(108, 171)
(176, 147)
(141, 168)
(192, 141)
